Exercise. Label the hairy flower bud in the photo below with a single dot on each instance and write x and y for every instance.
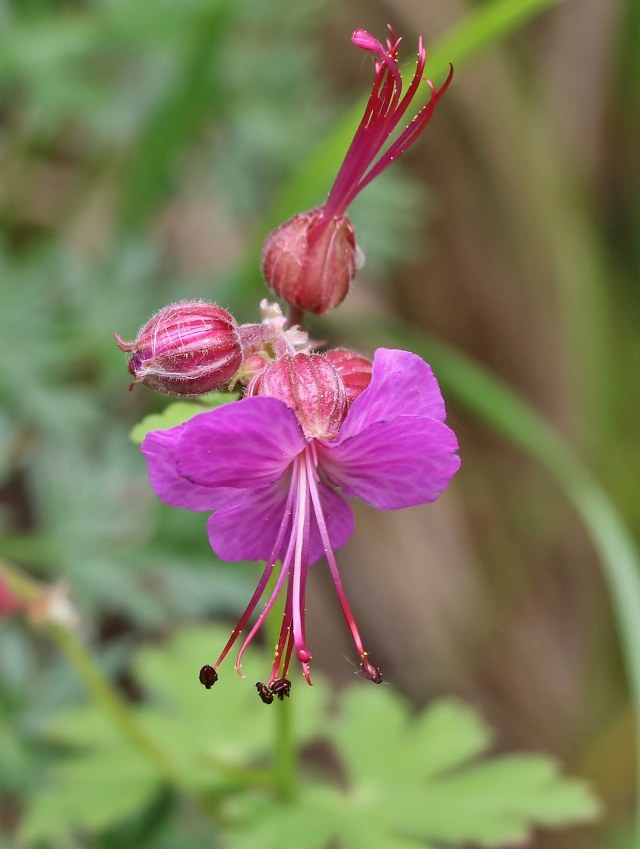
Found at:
(354, 369)
(311, 386)
(311, 259)
(187, 348)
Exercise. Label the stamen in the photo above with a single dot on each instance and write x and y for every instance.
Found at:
(264, 692)
(300, 565)
(285, 634)
(288, 653)
(208, 676)
(369, 670)
(284, 571)
(257, 595)
(281, 687)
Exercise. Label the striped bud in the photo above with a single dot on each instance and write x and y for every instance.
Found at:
(187, 348)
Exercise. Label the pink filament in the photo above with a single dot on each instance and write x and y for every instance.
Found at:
(275, 553)
(333, 566)
(382, 113)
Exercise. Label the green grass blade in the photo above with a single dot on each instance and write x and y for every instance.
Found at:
(310, 183)
(501, 408)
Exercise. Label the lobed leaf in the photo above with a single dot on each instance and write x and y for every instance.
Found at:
(90, 792)
(418, 778)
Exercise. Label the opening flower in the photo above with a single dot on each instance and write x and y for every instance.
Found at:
(311, 259)
(277, 490)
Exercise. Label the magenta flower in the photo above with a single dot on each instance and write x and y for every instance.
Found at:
(311, 259)
(277, 491)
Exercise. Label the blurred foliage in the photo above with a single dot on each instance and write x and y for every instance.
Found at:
(146, 148)
(409, 778)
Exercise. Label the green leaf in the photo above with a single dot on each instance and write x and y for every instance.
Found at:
(414, 781)
(417, 778)
(311, 817)
(212, 739)
(212, 732)
(498, 802)
(90, 792)
(178, 413)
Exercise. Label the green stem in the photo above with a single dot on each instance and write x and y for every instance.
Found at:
(97, 684)
(285, 755)
(295, 316)
(285, 767)
(104, 694)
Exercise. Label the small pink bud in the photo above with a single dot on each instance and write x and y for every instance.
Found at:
(354, 369)
(8, 601)
(311, 386)
(311, 259)
(187, 348)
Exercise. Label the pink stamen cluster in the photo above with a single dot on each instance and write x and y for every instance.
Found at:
(385, 108)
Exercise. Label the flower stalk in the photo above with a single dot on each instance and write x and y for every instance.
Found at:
(30, 592)
(285, 767)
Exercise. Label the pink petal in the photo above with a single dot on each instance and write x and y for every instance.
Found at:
(245, 445)
(339, 519)
(159, 448)
(399, 463)
(402, 384)
(248, 528)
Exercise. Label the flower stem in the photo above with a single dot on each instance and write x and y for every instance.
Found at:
(30, 591)
(285, 766)
(295, 316)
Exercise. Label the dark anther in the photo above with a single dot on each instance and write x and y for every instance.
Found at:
(280, 687)
(208, 676)
(264, 692)
(370, 672)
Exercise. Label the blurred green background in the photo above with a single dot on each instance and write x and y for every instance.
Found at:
(146, 149)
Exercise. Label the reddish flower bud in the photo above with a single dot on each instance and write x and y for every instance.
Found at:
(311, 386)
(8, 601)
(311, 259)
(354, 369)
(187, 348)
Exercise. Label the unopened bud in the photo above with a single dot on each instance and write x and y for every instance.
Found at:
(187, 348)
(310, 260)
(354, 369)
(311, 386)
